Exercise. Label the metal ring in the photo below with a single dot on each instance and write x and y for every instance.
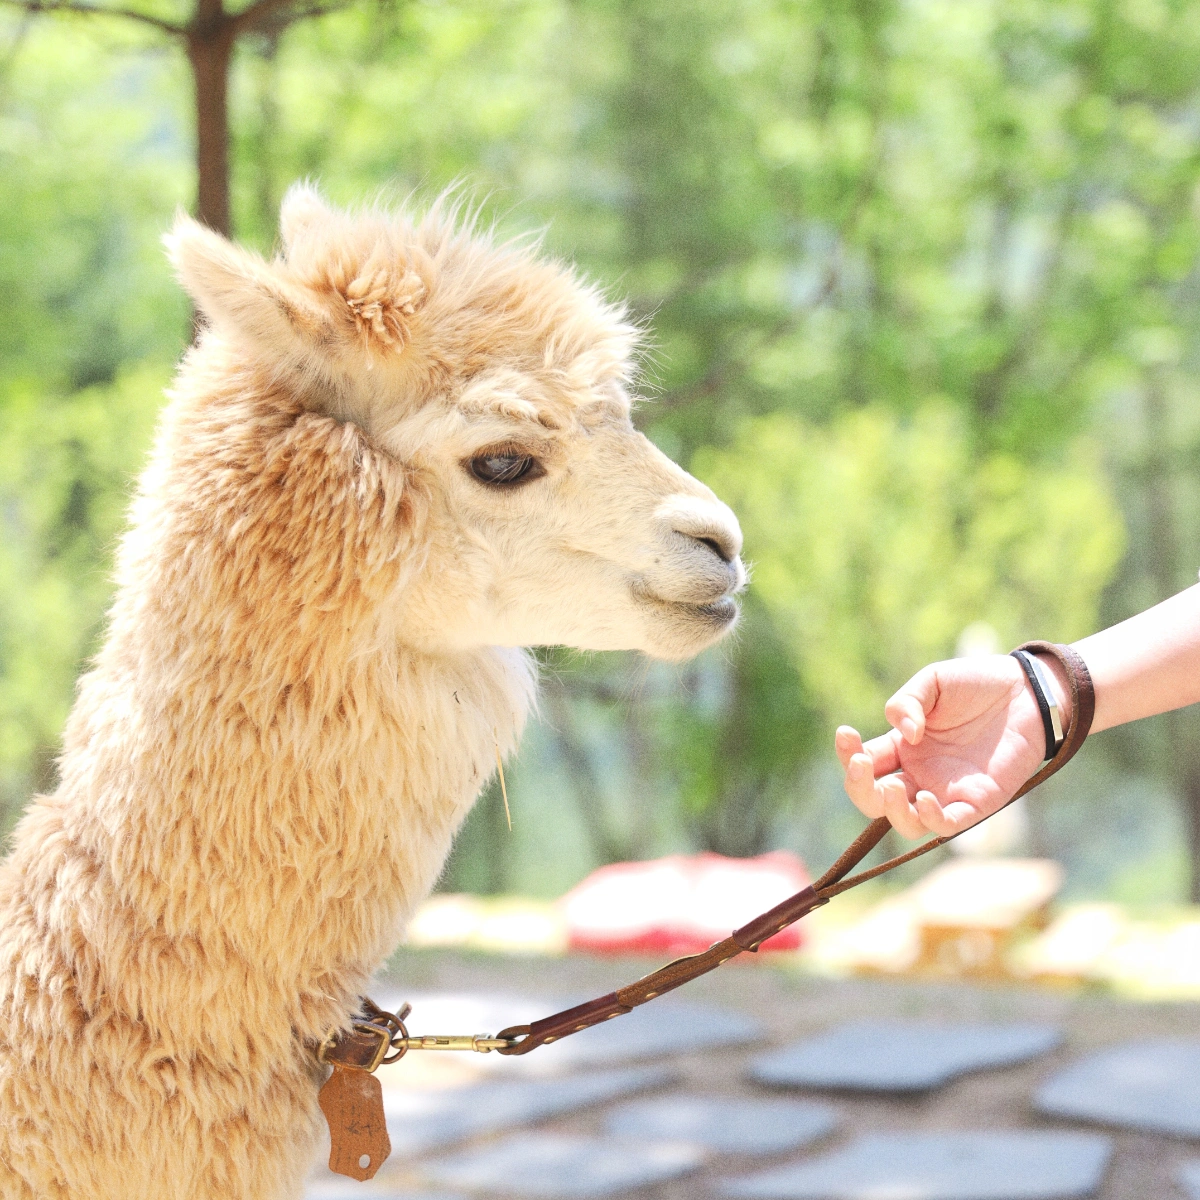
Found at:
(401, 1035)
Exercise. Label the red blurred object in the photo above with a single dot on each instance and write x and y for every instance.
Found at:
(682, 904)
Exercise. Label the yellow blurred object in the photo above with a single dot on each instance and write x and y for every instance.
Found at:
(968, 913)
(962, 919)
(499, 924)
(884, 941)
(1148, 958)
(1073, 947)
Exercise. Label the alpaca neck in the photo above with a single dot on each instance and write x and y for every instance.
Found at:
(258, 775)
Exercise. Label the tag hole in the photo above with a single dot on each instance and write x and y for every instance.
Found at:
(364, 1161)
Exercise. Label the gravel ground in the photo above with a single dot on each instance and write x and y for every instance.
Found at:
(791, 1005)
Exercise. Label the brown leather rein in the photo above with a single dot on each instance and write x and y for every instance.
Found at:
(381, 1037)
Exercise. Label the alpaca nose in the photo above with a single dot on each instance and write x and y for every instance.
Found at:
(712, 525)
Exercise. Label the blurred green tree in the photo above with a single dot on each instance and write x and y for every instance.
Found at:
(963, 230)
(880, 538)
(209, 34)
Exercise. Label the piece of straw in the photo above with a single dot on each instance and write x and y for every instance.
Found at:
(503, 789)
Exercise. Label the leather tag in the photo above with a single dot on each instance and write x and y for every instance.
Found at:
(352, 1102)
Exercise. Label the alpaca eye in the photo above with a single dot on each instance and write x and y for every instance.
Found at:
(504, 467)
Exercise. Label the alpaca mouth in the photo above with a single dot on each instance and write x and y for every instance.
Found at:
(720, 612)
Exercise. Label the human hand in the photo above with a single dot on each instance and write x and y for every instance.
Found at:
(966, 734)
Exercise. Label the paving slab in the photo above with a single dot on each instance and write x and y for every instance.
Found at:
(352, 1189)
(665, 1027)
(1151, 1085)
(426, 1118)
(565, 1166)
(1016, 1165)
(1188, 1177)
(725, 1125)
(901, 1056)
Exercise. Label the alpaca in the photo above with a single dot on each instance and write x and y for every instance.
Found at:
(398, 454)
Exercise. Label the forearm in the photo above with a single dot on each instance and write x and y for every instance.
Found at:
(1148, 664)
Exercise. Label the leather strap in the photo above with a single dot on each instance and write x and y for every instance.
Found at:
(524, 1038)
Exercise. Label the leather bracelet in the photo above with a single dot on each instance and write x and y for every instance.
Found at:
(1044, 702)
(1083, 697)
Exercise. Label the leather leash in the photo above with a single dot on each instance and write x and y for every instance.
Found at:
(352, 1098)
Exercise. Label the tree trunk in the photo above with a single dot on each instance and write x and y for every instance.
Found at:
(1191, 799)
(210, 47)
(1185, 754)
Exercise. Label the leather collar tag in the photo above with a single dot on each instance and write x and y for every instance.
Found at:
(352, 1101)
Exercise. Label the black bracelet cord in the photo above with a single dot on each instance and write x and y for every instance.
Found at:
(1022, 656)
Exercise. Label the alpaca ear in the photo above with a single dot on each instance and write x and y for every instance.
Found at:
(376, 284)
(233, 287)
(381, 294)
(302, 212)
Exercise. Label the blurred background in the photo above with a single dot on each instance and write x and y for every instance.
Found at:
(924, 290)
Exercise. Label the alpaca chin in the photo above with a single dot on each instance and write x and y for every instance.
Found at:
(677, 631)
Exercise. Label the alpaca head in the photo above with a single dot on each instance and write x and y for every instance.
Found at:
(502, 384)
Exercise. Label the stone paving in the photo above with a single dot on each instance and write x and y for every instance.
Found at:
(423, 1119)
(557, 1164)
(1153, 1085)
(901, 1056)
(704, 1127)
(723, 1124)
(1188, 1176)
(1016, 1165)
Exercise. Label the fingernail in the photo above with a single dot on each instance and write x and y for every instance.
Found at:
(855, 769)
(908, 727)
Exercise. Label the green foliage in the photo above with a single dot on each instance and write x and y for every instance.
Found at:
(922, 280)
(65, 466)
(92, 164)
(877, 539)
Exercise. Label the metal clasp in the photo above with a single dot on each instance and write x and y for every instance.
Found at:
(383, 1038)
(481, 1043)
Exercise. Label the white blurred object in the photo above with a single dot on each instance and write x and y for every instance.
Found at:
(1075, 945)
(997, 893)
(978, 638)
(1004, 833)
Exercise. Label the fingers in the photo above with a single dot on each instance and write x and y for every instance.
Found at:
(847, 743)
(885, 797)
(865, 764)
(882, 752)
(906, 710)
(898, 808)
(945, 820)
(861, 786)
(912, 813)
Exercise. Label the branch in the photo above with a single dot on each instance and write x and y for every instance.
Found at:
(262, 14)
(77, 6)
